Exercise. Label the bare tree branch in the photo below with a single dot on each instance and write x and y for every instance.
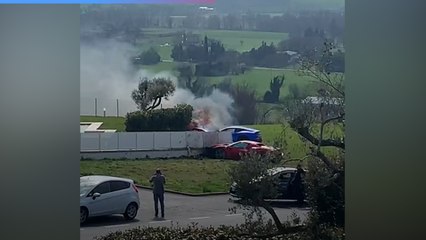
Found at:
(325, 159)
(274, 215)
(295, 159)
(304, 132)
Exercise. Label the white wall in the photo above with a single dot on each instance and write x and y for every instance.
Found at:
(151, 140)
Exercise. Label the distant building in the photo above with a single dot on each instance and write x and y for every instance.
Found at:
(206, 8)
(332, 106)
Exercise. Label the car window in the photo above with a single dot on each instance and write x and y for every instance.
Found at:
(285, 176)
(101, 188)
(240, 145)
(119, 185)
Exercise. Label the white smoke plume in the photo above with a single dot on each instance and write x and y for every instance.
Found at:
(107, 74)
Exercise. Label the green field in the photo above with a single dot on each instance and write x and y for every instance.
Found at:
(257, 78)
(251, 39)
(184, 175)
(158, 37)
(161, 67)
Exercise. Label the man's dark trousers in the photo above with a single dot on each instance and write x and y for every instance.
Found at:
(159, 197)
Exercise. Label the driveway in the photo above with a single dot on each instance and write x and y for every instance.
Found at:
(182, 210)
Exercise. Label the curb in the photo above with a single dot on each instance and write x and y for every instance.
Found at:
(187, 194)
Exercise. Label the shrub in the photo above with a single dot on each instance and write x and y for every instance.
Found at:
(148, 57)
(194, 232)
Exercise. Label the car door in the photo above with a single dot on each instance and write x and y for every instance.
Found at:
(120, 196)
(237, 149)
(283, 184)
(100, 205)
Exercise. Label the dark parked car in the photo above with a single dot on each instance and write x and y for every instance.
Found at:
(284, 176)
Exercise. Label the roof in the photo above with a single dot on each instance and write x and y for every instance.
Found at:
(248, 141)
(96, 179)
(276, 170)
(239, 127)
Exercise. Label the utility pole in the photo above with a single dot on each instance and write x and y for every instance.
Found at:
(96, 107)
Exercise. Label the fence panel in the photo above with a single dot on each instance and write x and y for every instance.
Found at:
(145, 140)
(127, 141)
(162, 140)
(109, 141)
(210, 139)
(89, 141)
(178, 140)
(194, 139)
(151, 140)
(225, 137)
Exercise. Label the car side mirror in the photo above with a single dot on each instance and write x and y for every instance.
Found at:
(96, 195)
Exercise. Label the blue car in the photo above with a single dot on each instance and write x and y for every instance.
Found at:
(243, 133)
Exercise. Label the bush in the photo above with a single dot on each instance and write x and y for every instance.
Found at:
(326, 199)
(194, 233)
(149, 57)
(168, 119)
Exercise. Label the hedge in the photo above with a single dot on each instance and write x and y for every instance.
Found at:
(167, 119)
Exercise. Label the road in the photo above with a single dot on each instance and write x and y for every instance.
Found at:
(182, 210)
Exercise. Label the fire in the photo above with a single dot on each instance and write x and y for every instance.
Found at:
(200, 118)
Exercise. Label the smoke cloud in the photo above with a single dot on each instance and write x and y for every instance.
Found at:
(107, 75)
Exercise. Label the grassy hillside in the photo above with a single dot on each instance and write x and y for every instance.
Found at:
(159, 39)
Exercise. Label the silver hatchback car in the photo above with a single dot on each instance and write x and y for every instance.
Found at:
(105, 195)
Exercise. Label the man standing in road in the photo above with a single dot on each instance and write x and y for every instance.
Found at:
(158, 180)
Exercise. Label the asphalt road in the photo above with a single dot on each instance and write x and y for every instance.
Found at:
(182, 210)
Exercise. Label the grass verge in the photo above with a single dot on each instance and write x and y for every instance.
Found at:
(108, 122)
(183, 175)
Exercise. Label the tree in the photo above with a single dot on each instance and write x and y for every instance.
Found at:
(149, 93)
(325, 178)
(178, 54)
(255, 184)
(310, 121)
(273, 95)
(186, 75)
(213, 22)
(149, 57)
(244, 100)
(244, 104)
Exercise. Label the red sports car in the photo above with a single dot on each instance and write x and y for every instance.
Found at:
(236, 149)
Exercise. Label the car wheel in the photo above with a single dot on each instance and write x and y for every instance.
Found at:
(220, 154)
(84, 214)
(131, 211)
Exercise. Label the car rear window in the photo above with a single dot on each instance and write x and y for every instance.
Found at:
(119, 185)
(101, 188)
